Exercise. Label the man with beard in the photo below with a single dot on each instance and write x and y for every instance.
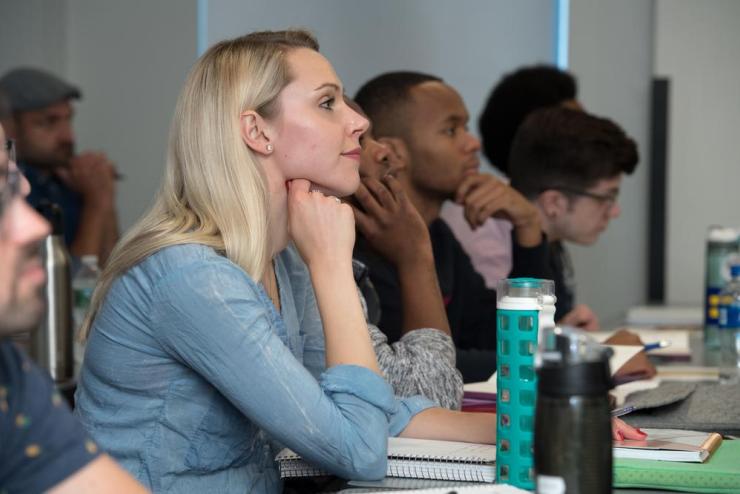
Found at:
(83, 185)
(43, 448)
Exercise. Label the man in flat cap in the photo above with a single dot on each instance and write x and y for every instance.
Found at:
(83, 185)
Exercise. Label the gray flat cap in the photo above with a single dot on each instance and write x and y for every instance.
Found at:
(32, 89)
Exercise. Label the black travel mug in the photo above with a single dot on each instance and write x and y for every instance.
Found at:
(572, 435)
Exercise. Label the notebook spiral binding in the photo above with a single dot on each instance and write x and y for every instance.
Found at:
(473, 466)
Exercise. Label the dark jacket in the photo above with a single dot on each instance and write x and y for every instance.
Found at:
(471, 307)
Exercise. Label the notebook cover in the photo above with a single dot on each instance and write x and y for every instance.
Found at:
(719, 474)
(669, 445)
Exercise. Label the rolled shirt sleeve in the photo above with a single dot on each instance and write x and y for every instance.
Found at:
(213, 318)
(422, 362)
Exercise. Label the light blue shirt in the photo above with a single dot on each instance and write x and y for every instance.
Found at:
(193, 381)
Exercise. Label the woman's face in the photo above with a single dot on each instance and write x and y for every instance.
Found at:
(316, 136)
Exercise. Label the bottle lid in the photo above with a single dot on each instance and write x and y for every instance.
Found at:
(570, 362)
(524, 288)
(722, 234)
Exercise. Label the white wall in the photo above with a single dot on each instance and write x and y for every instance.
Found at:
(697, 46)
(610, 53)
(470, 44)
(471, 48)
(130, 59)
(33, 34)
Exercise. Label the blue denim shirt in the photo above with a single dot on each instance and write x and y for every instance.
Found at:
(193, 381)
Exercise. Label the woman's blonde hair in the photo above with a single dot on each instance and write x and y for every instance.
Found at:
(213, 191)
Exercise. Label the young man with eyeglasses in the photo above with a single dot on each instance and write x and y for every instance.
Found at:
(570, 165)
(82, 184)
(42, 446)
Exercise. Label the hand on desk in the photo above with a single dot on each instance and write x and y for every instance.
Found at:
(581, 317)
(621, 430)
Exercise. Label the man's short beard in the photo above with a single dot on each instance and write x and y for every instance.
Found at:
(59, 158)
(20, 316)
(21, 319)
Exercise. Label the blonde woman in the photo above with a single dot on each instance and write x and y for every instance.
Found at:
(227, 322)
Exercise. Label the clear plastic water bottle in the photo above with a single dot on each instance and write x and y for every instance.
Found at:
(722, 249)
(729, 328)
(83, 285)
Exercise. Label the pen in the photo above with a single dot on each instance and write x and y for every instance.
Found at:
(654, 346)
(618, 412)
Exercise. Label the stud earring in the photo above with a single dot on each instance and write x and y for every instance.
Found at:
(269, 148)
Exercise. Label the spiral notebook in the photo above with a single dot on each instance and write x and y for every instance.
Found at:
(416, 458)
(473, 489)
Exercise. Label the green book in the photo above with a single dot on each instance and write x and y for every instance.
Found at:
(720, 473)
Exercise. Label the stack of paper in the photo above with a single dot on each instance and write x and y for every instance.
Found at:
(662, 315)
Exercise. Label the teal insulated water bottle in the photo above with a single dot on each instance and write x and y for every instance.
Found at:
(524, 307)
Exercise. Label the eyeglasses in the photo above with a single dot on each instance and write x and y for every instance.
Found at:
(606, 200)
(10, 177)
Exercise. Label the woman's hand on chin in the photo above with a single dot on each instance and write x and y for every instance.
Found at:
(322, 227)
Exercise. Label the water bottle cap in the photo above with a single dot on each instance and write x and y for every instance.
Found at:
(569, 362)
(525, 282)
(524, 288)
(722, 234)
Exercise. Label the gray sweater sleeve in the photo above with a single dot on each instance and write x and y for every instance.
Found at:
(422, 362)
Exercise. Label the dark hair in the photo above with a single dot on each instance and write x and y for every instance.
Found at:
(512, 99)
(559, 147)
(4, 106)
(383, 99)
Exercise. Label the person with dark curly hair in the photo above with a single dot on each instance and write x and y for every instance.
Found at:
(511, 100)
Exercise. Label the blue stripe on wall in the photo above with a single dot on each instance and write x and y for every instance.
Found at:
(562, 18)
(202, 27)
